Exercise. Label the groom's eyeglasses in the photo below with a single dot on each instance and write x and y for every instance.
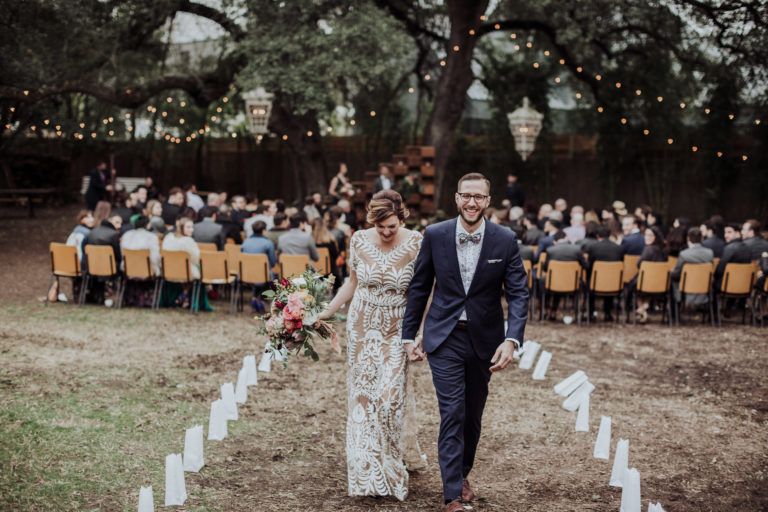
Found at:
(479, 198)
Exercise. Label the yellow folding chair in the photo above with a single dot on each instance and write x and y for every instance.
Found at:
(562, 279)
(177, 269)
(64, 263)
(253, 271)
(101, 264)
(737, 283)
(695, 278)
(607, 280)
(214, 270)
(205, 246)
(138, 267)
(292, 264)
(630, 267)
(653, 281)
(528, 267)
(323, 265)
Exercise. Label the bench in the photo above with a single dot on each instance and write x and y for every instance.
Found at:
(27, 196)
(128, 183)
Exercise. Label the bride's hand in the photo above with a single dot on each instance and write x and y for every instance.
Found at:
(325, 315)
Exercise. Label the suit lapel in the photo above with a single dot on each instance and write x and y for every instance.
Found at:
(488, 241)
(450, 253)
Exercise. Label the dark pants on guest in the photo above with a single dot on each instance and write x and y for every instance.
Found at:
(461, 383)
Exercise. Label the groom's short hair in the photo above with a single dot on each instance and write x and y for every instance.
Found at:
(474, 176)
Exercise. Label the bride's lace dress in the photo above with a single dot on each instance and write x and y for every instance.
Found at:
(377, 363)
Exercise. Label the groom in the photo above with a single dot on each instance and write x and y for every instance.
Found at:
(469, 261)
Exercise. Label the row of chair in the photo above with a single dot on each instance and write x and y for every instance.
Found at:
(230, 268)
(609, 279)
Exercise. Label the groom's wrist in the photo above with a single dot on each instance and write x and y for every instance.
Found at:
(517, 344)
(405, 342)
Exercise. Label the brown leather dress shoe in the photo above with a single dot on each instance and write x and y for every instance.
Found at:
(454, 506)
(467, 494)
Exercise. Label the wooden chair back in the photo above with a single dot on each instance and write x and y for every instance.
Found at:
(64, 260)
(535, 249)
(696, 278)
(738, 279)
(672, 261)
(230, 240)
(254, 268)
(292, 264)
(101, 260)
(563, 276)
(528, 266)
(607, 277)
(653, 277)
(233, 252)
(204, 246)
(630, 267)
(323, 265)
(137, 264)
(715, 261)
(539, 264)
(214, 268)
(176, 266)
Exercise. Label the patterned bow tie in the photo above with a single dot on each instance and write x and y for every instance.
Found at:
(464, 238)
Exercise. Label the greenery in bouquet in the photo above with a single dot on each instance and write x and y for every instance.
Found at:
(292, 324)
(410, 184)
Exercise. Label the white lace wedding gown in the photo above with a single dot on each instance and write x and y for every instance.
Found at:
(377, 367)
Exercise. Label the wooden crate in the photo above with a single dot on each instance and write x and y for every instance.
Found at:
(427, 206)
(428, 170)
(413, 151)
(400, 159)
(428, 151)
(400, 170)
(413, 199)
(429, 189)
(414, 161)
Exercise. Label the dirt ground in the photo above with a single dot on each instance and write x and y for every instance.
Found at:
(92, 399)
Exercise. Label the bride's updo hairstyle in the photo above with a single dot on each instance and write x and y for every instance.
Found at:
(384, 204)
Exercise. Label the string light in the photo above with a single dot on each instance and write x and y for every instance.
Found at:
(164, 114)
(442, 63)
(234, 135)
(330, 129)
(427, 77)
(646, 131)
(536, 65)
(471, 31)
(670, 141)
(623, 120)
(517, 47)
(183, 104)
(456, 48)
(309, 133)
(730, 116)
(682, 105)
(352, 122)
(225, 99)
(618, 85)
(638, 92)
(579, 69)
(546, 53)
(744, 158)
(598, 77)
(660, 99)
(218, 109)
(513, 35)
(707, 111)
(285, 137)
(694, 149)
(757, 122)
(373, 113)
(600, 109)
(497, 26)
(169, 99)
(578, 95)
(557, 80)
(719, 154)
(410, 90)
(181, 121)
(213, 118)
(529, 44)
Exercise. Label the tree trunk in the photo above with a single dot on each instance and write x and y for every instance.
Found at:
(305, 144)
(453, 84)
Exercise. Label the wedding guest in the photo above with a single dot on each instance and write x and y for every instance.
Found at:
(735, 251)
(281, 226)
(602, 249)
(711, 240)
(323, 238)
(214, 200)
(229, 225)
(514, 192)
(207, 230)
(238, 214)
(154, 212)
(561, 205)
(310, 210)
(340, 224)
(384, 179)
(551, 226)
(173, 206)
(194, 201)
(676, 240)
(99, 185)
(181, 240)
(101, 212)
(633, 238)
(576, 231)
(532, 234)
(695, 253)
(617, 235)
(257, 243)
(653, 250)
(85, 224)
(297, 240)
(140, 238)
(349, 217)
(590, 235)
(264, 212)
(141, 197)
(106, 233)
(560, 250)
(750, 235)
(338, 182)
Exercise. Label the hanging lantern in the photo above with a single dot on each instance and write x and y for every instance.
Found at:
(258, 106)
(525, 125)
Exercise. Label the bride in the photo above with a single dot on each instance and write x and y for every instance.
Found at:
(381, 261)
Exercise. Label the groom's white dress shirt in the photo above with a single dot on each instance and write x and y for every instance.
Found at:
(468, 254)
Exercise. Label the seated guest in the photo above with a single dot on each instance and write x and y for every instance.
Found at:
(349, 218)
(101, 212)
(590, 235)
(296, 240)
(238, 212)
(173, 206)
(676, 240)
(310, 210)
(551, 226)
(341, 225)
(576, 231)
(78, 236)
(264, 212)
(603, 250)
(318, 203)
(154, 212)
(695, 253)
(281, 226)
(735, 251)
(323, 238)
(107, 233)
(526, 252)
(653, 250)
(633, 238)
(229, 224)
(532, 232)
(257, 243)
(561, 250)
(207, 230)
(181, 240)
(214, 200)
(140, 194)
(711, 240)
(750, 234)
(126, 207)
(194, 201)
(332, 220)
(140, 238)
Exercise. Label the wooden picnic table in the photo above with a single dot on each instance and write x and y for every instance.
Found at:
(29, 195)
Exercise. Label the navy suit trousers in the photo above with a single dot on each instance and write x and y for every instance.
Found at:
(461, 383)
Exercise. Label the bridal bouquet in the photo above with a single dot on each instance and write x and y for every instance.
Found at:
(293, 321)
(348, 190)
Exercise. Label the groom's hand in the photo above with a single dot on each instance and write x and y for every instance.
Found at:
(415, 352)
(503, 356)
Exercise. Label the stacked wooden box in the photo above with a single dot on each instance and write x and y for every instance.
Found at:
(421, 160)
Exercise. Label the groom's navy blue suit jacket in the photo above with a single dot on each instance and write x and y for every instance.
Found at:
(499, 269)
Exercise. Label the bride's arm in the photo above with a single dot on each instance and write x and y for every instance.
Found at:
(343, 296)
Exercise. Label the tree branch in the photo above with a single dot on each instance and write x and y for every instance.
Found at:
(413, 26)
